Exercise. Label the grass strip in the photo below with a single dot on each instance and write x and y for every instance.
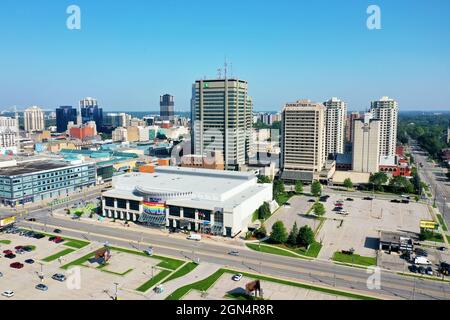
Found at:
(58, 255)
(152, 282)
(167, 263)
(5, 241)
(442, 222)
(188, 267)
(354, 259)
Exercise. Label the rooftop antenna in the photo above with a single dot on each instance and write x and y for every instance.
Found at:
(226, 68)
(219, 73)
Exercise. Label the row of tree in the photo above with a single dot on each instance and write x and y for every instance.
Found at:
(302, 237)
(397, 184)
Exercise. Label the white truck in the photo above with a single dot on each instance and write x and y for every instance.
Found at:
(422, 261)
(195, 237)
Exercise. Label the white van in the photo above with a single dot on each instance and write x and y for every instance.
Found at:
(195, 237)
(422, 261)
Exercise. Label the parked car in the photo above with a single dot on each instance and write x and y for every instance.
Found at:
(237, 277)
(422, 261)
(395, 201)
(149, 251)
(8, 293)
(368, 198)
(57, 231)
(59, 277)
(413, 268)
(39, 236)
(41, 287)
(430, 271)
(29, 261)
(7, 252)
(21, 251)
(58, 240)
(16, 265)
(421, 252)
(443, 249)
(27, 249)
(234, 253)
(10, 256)
(195, 237)
(350, 199)
(422, 270)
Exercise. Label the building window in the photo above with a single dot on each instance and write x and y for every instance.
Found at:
(134, 205)
(109, 202)
(121, 203)
(175, 211)
(189, 213)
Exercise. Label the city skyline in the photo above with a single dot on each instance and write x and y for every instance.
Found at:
(129, 68)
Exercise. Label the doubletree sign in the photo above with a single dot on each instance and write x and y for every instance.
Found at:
(206, 85)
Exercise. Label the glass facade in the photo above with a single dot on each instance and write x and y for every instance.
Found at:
(33, 187)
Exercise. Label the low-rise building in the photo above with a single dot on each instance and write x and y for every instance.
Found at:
(200, 200)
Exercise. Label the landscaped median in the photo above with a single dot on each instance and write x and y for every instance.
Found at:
(354, 259)
(283, 250)
(205, 284)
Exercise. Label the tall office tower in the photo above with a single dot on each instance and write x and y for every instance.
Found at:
(366, 144)
(336, 113)
(34, 119)
(90, 111)
(349, 126)
(222, 120)
(448, 132)
(9, 140)
(167, 107)
(303, 131)
(64, 115)
(386, 110)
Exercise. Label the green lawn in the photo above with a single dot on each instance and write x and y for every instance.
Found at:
(182, 271)
(434, 237)
(202, 285)
(58, 255)
(152, 282)
(312, 252)
(354, 259)
(207, 283)
(271, 249)
(77, 244)
(79, 261)
(5, 241)
(442, 222)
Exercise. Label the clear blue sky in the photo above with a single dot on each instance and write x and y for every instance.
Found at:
(129, 52)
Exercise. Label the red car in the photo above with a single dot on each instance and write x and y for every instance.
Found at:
(59, 240)
(19, 248)
(16, 265)
(6, 252)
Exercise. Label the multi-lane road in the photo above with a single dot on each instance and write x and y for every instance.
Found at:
(435, 177)
(324, 273)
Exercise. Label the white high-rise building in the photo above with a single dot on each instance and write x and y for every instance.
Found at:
(34, 119)
(303, 141)
(386, 110)
(336, 113)
(9, 141)
(120, 135)
(366, 144)
(222, 120)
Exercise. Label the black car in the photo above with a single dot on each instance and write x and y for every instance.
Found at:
(32, 220)
(349, 199)
(421, 252)
(39, 236)
(368, 198)
(395, 201)
(413, 268)
(405, 201)
(422, 270)
(10, 256)
(311, 200)
(29, 261)
(57, 231)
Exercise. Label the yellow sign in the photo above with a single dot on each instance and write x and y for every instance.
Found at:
(7, 221)
(428, 224)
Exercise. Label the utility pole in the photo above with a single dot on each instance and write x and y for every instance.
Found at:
(116, 284)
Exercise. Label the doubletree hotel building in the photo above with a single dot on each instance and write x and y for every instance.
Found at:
(199, 200)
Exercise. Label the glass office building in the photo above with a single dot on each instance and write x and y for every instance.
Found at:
(35, 181)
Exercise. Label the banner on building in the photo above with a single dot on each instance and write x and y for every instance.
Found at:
(156, 208)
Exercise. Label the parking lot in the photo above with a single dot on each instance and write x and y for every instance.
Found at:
(125, 271)
(271, 291)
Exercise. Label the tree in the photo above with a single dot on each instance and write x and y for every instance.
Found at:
(299, 187)
(279, 233)
(316, 189)
(378, 180)
(264, 211)
(319, 209)
(278, 187)
(305, 236)
(264, 179)
(261, 232)
(400, 184)
(292, 239)
(348, 184)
